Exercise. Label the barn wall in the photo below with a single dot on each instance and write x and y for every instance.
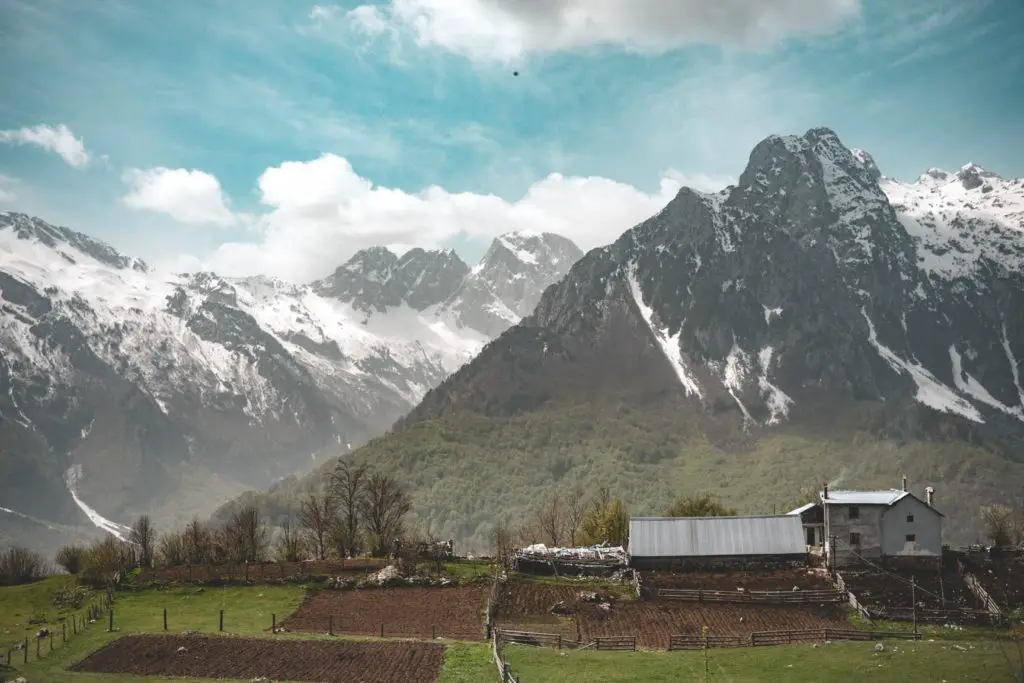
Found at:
(721, 563)
(868, 525)
(926, 527)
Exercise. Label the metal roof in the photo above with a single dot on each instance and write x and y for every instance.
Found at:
(715, 536)
(864, 497)
(802, 509)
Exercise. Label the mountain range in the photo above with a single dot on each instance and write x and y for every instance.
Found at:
(125, 390)
(816, 322)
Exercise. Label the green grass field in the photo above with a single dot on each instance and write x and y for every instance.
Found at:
(902, 662)
(950, 656)
(247, 612)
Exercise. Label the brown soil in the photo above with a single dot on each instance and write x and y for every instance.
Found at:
(456, 612)
(249, 658)
(762, 580)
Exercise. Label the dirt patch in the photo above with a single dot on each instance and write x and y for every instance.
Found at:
(886, 590)
(653, 623)
(265, 571)
(414, 611)
(757, 580)
(1002, 577)
(250, 658)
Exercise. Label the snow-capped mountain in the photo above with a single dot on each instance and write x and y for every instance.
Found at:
(813, 293)
(509, 280)
(126, 390)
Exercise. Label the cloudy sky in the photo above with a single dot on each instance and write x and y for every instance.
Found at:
(280, 137)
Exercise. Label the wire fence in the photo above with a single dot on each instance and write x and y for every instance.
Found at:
(47, 638)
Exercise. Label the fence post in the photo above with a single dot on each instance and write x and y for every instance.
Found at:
(110, 620)
(25, 650)
(330, 624)
(74, 624)
(64, 632)
(165, 618)
(433, 632)
(222, 620)
(51, 641)
(382, 630)
(273, 623)
(37, 647)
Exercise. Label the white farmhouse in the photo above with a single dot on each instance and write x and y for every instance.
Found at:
(877, 525)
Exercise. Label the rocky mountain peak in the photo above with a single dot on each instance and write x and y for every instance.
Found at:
(66, 242)
(376, 279)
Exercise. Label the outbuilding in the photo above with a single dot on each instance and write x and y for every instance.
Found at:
(689, 543)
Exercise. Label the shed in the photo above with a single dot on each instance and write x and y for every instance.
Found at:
(812, 516)
(716, 542)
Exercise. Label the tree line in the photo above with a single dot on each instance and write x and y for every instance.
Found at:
(356, 510)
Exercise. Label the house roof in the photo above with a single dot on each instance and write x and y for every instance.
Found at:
(715, 536)
(888, 498)
(864, 497)
(802, 509)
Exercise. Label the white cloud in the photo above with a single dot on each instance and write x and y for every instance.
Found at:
(60, 140)
(506, 30)
(7, 188)
(187, 196)
(323, 212)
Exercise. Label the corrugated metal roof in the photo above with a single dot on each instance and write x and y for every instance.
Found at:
(864, 497)
(715, 536)
(802, 509)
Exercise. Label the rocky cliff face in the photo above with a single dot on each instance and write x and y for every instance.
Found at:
(125, 390)
(801, 281)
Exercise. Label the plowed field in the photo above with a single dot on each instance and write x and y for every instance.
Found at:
(653, 623)
(763, 580)
(245, 658)
(413, 611)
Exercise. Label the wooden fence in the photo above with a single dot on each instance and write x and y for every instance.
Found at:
(55, 636)
(504, 671)
(615, 643)
(854, 603)
(936, 615)
(552, 640)
(761, 638)
(800, 597)
(492, 606)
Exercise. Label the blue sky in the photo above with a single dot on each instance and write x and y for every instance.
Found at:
(286, 135)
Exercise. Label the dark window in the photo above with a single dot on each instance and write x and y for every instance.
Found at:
(910, 518)
(854, 512)
(854, 538)
(911, 538)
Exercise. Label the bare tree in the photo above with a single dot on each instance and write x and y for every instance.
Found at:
(289, 542)
(317, 515)
(198, 542)
(551, 520)
(173, 549)
(383, 510)
(502, 543)
(143, 537)
(348, 487)
(999, 524)
(575, 508)
(245, 535)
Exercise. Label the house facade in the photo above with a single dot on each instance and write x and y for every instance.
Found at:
(878, 525)
(812, 517)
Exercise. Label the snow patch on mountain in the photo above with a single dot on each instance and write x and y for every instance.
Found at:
(669, 343)
(71, 478)
(930, 391)
(961, 221)
(973, 388)
(776, 400)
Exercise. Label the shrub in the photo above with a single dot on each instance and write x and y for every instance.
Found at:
(71, 558)
(106, 561)
(21, 565)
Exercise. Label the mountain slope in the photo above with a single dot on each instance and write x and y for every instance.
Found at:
(782, 332)
(130, 390)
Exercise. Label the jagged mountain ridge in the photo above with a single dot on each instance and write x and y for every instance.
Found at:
(751, 292)
(795, 308)
(141, 383)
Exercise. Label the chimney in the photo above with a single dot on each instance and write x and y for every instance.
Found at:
(929, 493)
(824, 492)
(904, 483)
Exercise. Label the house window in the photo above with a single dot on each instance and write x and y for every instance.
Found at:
(854, 512)
(854, 538)
(910, 519)
(911, 538)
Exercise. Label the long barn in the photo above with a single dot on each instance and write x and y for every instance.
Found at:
(688, 543)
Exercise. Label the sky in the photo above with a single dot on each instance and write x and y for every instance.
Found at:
(281, 137)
